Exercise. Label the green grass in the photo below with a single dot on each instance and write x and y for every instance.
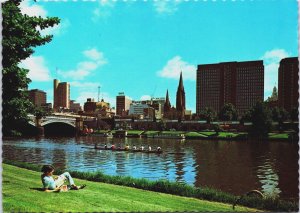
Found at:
(227, 134)
(173, 132)
(278, 136)
(210, 133)
(21, 193)
(134, 132)
(101, 131)
(195, 134)
(175, 188)
(150, 132)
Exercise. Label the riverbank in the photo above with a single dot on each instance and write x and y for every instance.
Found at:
(22, 193)
(204, 135)
(174, 188)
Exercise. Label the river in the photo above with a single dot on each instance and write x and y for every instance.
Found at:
(232, 166)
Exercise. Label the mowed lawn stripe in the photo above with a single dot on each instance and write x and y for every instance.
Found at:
(21, 193)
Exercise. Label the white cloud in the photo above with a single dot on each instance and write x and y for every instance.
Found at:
(32, 8)
(85, 68)
(271, 62)
(94, 54)
(38, 70)
(145, 97)
(103, 10)
(174, 66)
(166, 7)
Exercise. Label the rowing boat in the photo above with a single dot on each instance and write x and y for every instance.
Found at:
(125, 150)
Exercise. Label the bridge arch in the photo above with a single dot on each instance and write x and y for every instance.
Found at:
(56, 121)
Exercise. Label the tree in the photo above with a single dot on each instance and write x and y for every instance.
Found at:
(228, 112)
(208, 114)
(246, 116)
(279, 115)
(261, 120)
(162, 125)
(294, 114)
(217, 128)
(20, 34)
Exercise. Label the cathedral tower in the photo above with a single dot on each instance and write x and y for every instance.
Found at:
(180, 98)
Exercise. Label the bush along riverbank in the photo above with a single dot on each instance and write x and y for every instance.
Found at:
(164, 186)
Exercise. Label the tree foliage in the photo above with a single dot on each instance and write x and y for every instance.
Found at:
(208, 114)
(261, 118)
(228, 112)
(20, 35)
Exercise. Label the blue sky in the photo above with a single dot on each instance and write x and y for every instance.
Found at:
(140, 47)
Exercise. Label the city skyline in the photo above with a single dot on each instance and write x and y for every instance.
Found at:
(142, 52)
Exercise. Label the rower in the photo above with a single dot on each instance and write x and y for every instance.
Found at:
(158, 149)
(95, 147)
(142, 148)
(127, 147)
(134, 147)
(149, 148)
(105, 146)
(112, 146)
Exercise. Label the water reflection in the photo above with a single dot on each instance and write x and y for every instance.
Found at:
(235, 167)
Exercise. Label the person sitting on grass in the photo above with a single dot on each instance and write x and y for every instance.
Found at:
(55, 184)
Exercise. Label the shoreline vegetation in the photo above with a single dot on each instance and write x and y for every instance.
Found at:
(173, 188)
(205, 135)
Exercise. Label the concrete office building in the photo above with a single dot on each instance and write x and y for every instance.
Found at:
(288, 76)
(37, 97)
(122, 104)
(61, 95)
(239, 83)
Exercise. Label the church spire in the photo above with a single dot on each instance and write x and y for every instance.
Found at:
(167, 105)
(180, 98)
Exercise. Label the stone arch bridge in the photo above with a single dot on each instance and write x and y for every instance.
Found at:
(73, 121)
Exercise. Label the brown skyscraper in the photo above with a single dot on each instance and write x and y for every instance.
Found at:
(122, 104)
(61, 95)
(180, 98)
(37, 97)
(288, 75)
(239, 83)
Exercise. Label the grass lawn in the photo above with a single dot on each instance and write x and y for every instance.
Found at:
(173, 132)
(21, 193)
(134, 132)
(150, 132)
(208, 133)
(227, 134)
(279, 136)
(102, 131)
(195, 134)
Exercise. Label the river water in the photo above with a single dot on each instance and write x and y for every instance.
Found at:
(232, 166)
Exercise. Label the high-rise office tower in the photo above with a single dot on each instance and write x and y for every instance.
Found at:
(37, 97)
(288, 75)
(239, 83)
(61, 95)
(122, 104)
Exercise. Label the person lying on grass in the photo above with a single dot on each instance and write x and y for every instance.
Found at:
(56, 184)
